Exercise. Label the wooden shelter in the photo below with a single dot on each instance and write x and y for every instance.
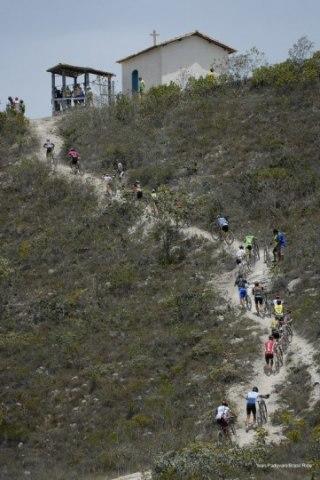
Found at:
(67, 97)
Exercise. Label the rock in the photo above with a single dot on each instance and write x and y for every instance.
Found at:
(221, 308)
(293, 284)
(234, 341)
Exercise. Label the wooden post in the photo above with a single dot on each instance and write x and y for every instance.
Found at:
(109, 90)
(86, 80)
(53, 86)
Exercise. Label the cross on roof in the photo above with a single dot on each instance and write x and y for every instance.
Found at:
(154, 34)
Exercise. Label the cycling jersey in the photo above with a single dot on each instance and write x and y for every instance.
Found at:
(73, 154)
(257, 291)
(249, 240)
(280, 239)
(269, 346)
(49, 146)
(240, 254)
(222, 412)
(252, 398)
(222, 222)
(278, 309)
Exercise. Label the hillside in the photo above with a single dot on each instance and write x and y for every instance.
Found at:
(118, 337)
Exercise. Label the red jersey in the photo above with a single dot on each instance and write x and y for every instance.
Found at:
(269, 346)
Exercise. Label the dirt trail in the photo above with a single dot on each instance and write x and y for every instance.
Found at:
(303, 353)
(48, 128)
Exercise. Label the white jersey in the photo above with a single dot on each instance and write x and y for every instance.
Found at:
(107, 179)
(222, 222)
(240, 254)
(222, 412)
(252, 398)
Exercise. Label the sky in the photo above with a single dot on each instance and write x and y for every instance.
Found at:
(37, 34)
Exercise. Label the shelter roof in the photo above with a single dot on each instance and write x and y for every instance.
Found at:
(74, 71)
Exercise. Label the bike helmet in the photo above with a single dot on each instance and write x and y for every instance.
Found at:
(255, 389)
(256, 284)
(225, 403)
(275, 231)
(241, 247)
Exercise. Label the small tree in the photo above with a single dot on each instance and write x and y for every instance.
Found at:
(240, 66)
(301, 50)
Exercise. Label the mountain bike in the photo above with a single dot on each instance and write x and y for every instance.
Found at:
(256, 251)
(226, 237)
(278, 358)
(248, 302)
(267, 306)
(262, 412)
(267, 257)
(225, 434)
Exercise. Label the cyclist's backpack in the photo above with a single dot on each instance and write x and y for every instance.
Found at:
(282, 239)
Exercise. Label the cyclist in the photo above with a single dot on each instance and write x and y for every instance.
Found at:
(49, 146)
(280, 243)
(251, 400)
(108, 181)
(278, 311)
(120, 170)
(269, 350)
(242, 285)
(240, 255)
(222, 416)
(249, 243)
(137, 189)
(275, 329)
(74, 158)
(257, 292)
(222, 222)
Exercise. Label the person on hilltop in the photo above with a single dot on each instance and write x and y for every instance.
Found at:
(16, 105)
(22, 107)
(142, 87)
(280, 242)
(10, 105)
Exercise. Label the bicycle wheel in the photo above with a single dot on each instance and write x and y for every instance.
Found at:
(248, 302)
(229, 238)
(263, 411)
(220, 437)
(276, 363)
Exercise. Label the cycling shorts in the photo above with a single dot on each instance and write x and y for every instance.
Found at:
(74, 161)
(258, 299)
(251, 408)
(249, 247)
(268, 357)
(242, 293)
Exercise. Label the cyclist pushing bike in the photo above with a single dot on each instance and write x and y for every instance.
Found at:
(280, 242)
(222, 222)
(49, 146)
(223, 415)
(252, 399)
(257, 293)
(74, 158)
(251, 246)
(269, 350)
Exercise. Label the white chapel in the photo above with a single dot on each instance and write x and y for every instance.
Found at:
(192, 54)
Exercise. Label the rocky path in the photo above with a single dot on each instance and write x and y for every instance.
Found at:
(47, 128)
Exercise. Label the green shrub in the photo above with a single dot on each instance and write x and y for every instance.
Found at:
(202, 86)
